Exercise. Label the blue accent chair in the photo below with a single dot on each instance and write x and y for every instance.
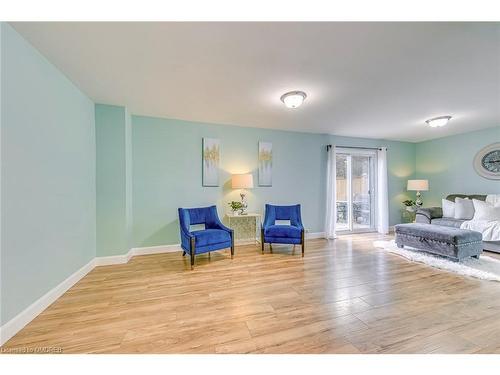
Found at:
(215, 236)
(288, 234)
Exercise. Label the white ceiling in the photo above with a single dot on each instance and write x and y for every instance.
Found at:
(375, 80)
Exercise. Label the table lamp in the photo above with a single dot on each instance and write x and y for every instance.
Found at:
(242, 181)
(418, 186)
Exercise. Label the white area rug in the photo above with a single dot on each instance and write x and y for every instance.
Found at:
(486, 268)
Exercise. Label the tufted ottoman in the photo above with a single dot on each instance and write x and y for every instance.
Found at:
(450, 242)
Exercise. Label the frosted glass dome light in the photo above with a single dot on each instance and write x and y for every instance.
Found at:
(437, 122)
(293, 99)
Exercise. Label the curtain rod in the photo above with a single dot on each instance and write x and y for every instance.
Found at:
(361, 148)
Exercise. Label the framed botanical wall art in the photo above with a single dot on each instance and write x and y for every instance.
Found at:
(211, 157)
(265, 164)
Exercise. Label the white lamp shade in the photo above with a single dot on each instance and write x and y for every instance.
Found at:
(242, 181)
(418, 185)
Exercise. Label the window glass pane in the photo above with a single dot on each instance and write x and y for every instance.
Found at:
(341, 191)
(361, 202)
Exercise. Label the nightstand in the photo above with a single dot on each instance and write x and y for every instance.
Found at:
(246, 227)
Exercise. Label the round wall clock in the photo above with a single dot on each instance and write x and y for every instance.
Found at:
(487, 162)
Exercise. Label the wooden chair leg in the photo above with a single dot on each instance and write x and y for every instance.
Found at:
(271, 247)
(303, 243)
(262, 240)
(232, 245)
(193, 252)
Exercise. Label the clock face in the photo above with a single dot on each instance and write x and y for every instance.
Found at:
(487, 162)
(491, 161)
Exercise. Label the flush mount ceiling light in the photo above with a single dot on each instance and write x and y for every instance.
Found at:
(438, 121)
(293, 99)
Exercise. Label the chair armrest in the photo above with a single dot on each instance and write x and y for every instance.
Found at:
(185, 230)
(184, 222)
(186, 233)
(221, 226)
(268, 221)
(425, 215)
(186, 239)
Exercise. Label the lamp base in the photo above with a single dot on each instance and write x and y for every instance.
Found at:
(418, 201)
(243, 210)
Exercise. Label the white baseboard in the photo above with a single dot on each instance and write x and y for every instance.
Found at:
(156, 249)
(17, 323)
(113, 259)
(313, 235)
(122, 259)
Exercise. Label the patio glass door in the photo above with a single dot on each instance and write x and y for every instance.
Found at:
(355, 190)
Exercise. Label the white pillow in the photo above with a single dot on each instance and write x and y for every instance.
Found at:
(448, 208)
(486, 211)
(464, 209)
(493, 199)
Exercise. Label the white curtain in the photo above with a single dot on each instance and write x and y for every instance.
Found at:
(382, 193)
(331, 204)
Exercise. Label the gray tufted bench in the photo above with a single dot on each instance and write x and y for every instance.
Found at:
(450, 242)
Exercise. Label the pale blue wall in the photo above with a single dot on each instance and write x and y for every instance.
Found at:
(400, 168)
(113, 179)
(167, 173)
(448, 165)
(47, 178)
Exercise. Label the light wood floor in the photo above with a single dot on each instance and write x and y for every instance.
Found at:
(345, 296)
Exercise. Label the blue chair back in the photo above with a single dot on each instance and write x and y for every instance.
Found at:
(201, 215)
(291, 213)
